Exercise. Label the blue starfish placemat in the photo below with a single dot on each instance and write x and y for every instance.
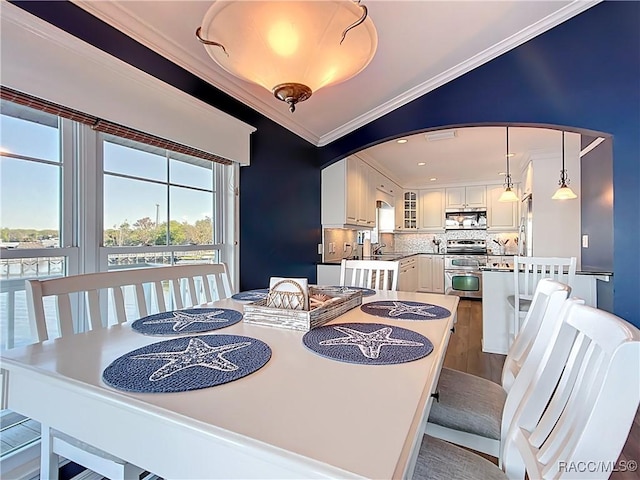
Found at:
(251, 295)
(191, 320)
(366, 292)
(367, 343)
(405, 310)
(187, 363)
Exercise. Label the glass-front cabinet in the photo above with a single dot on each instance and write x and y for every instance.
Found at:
(410, 221)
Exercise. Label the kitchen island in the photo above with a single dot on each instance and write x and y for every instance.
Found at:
(498, 284)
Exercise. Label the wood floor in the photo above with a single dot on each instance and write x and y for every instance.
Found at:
(465, 353)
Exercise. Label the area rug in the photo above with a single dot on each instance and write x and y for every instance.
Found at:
(251, 295)
(190, 320)
(187, 363)
(405, 310)
(367, 343)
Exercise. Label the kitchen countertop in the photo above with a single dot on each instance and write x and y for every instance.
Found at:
(510, 269)
(391, 256)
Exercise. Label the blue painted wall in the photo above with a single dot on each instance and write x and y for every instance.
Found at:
(584, 73)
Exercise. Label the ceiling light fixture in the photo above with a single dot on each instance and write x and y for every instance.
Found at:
(564, 192)
(508, 195)
(422, 164)
(402, 140)
(291, 48)
(442, 135)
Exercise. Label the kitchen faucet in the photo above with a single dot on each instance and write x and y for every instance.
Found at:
(378, 249)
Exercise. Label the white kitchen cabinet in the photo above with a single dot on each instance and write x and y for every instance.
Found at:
(432, 210)
(408, 274)
(466, 197)
(431, 273)
(501, 216)
(366, 194)
(348, 197)
(384, 184)
(409, 209)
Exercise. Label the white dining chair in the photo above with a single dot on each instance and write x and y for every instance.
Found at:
(470, 409)
(527, 272)
(576, 414)
(188, 285)
(374, 274)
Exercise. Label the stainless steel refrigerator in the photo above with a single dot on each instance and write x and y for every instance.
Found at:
(525, 234)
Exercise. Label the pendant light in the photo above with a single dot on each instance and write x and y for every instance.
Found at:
(508, 195)
(291, 48)
(564, 192)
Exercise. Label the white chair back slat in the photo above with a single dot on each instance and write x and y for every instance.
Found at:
(157, 286)
(95, 315)
(65, 319)
(206, 289)
(37, 320)
(118, 304)
(590, 410)
(141, 300)
(92, 286)
(177, 293)
(193, 293)
(375, 274)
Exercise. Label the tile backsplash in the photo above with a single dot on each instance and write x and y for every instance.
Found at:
(410, 242)
(423, 242)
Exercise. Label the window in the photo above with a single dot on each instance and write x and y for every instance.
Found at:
(76, 201)
(33, 169)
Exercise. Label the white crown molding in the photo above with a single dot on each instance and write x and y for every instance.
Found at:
(562, 15)
(591, 146)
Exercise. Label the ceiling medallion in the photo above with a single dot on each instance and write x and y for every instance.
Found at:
(291, 48)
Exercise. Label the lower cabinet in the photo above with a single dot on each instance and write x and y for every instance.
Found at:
(431, 273)
(408, 275)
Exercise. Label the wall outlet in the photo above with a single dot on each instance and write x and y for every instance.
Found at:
(585, 241)
(319, 249)
(344, 247)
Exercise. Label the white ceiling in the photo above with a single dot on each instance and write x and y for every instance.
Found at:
(421, 45)
(473, 155)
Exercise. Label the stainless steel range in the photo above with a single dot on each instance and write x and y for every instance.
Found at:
(462, 274)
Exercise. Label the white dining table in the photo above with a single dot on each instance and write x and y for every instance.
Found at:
(300, 416)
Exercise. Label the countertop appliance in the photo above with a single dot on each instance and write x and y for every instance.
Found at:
(462, 274)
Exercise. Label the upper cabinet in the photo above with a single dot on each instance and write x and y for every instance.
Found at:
(410, 210)
(348, 194)
(501, 216)
(432, 210)
(466, 197)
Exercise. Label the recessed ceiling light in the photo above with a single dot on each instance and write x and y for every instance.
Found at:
(509, 155)
(422, 164)
(432, 179)
(443, 135)
(502, 173)
(402, 140)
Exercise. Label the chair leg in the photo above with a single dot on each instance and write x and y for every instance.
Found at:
(48, 460)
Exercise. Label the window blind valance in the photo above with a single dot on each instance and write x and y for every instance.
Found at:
(56, 68)
(105, 126)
